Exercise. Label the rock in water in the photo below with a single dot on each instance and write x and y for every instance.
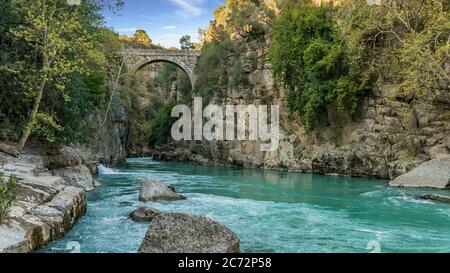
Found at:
(153, 190)
(435, 197)
(431, 174)
(144, 214)
(183, 233)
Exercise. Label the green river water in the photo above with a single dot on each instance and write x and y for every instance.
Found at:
(270, 211)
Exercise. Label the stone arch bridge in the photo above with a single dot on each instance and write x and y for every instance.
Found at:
(135, 59)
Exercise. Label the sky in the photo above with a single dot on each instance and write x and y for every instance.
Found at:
(165, 21)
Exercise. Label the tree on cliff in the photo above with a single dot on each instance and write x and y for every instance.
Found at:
(186, 43)
(139, 39)
(241, 18)
(403, 44)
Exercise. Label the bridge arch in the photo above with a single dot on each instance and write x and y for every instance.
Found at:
(148, 61)
(135, 59)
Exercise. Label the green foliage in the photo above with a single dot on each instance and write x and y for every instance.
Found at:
(151, 87)
(244, 19)
(85, 94)
(236, 74)
(6, 195)
(167, 76)
(308, 57)
(403, 44)
(161, 125)
(219, 68)
(185, 43)
(337, 134)
(247, 19)
(140, 127)
(140, 39)
(13, 100)
(184, 86)
(57, 50)
(54, 29)
(211, 69)
(409, 149)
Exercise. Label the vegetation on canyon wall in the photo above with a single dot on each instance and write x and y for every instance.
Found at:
(401, 43)
(331, 53)
(309, 58)
(228, 45)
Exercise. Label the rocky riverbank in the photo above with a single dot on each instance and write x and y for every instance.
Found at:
(431, 174)
(53, 181)
(48, 199)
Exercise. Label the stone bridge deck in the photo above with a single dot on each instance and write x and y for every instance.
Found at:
(138, 58)
(160, 52)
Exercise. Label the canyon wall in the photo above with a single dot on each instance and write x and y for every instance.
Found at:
(385, 138)
(112, 139)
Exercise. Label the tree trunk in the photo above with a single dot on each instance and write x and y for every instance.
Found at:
(119, 74)
(29, 127)
(45, 71)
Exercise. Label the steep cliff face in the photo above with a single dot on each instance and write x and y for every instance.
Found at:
(386, 138)
(112, 137)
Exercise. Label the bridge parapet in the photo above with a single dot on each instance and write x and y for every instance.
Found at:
(162, 52)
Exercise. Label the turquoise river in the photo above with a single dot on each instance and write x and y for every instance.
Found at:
(270, 211)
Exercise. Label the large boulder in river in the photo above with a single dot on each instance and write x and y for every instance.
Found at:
(144, 214)
(183, 233)
(431, 174)
(153, 190)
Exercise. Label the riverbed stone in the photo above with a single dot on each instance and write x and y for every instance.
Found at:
(431, 174)
(435, 197)
(183, 233)
(144, 214)
(153, 190)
